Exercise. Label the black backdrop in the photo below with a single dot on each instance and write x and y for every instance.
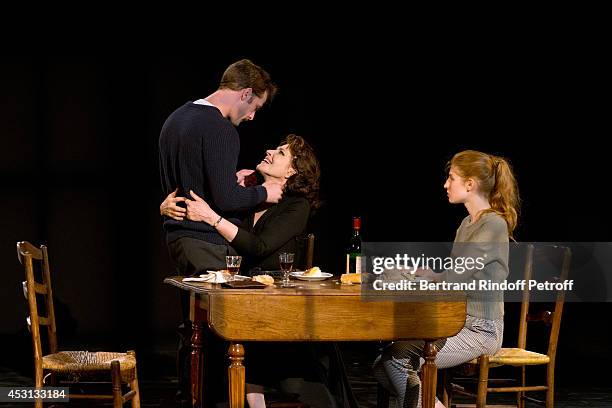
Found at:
(78, 161)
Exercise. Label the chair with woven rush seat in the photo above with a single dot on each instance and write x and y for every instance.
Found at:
(520, 356)
(71, 364)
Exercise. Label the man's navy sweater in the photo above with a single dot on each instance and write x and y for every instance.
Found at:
(198, 150)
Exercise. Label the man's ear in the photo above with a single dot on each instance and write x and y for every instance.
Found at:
(246, 94)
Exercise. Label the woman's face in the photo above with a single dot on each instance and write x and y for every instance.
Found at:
(277, 163)
(456, 188)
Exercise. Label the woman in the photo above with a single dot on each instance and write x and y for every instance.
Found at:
(486, 186)
(260, 238)
(273, 227)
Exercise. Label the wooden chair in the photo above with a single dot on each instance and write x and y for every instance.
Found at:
(520, 356)
(73, 364)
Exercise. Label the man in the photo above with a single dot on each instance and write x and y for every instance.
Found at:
(198, 150)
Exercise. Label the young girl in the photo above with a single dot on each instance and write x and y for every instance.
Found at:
(486, 186)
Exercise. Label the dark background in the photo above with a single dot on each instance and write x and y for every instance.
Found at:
(79, 168)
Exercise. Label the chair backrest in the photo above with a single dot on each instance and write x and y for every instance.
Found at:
(560, 257)
(29, 255)
(305, 250)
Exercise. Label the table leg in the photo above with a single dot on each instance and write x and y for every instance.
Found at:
(236, 375)
(428, 386)
(197, 364)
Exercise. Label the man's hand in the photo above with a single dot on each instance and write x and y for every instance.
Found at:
(170, 208)
(199, 210)
(274, 190)
(243, 177)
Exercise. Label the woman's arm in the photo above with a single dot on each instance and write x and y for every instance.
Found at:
(286, 223)
(428, 274)
(486, 246)
(199, 210)
(169, 206)
(278, 231)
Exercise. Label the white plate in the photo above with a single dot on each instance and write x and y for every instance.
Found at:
(300, 276)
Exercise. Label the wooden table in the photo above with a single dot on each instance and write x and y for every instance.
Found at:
(314, 311)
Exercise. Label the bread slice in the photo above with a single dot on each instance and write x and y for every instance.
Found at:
(350, 278)
(314, 271)
(265, 279)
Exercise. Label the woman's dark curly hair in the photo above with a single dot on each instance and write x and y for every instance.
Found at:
(305, 182)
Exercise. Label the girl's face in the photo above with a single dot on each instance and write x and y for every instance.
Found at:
(456, 187)
(277, 163)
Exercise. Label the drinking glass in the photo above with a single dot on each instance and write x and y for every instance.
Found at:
(232, 262)
(286, 264)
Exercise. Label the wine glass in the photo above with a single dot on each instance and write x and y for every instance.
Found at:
(286, 264)
(232, 262)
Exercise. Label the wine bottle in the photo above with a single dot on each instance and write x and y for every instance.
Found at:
(353, 253)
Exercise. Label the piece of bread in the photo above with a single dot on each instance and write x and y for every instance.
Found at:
(265, 279)
(314, 271)
(350, 278)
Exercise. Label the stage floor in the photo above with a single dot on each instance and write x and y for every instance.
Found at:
(158, 383)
